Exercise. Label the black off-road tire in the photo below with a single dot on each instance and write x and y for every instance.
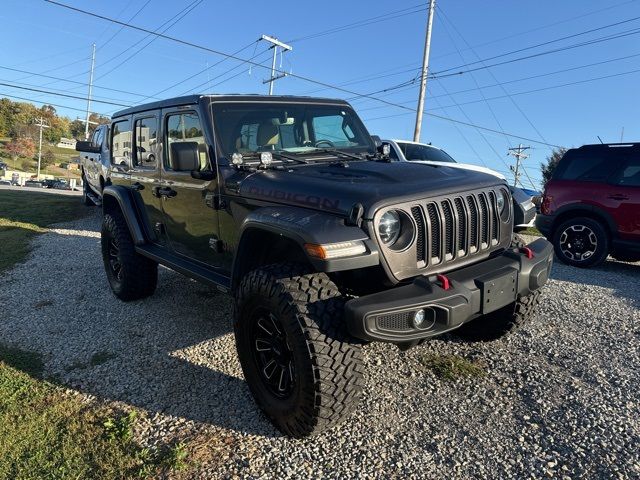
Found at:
(85, 197)
(505, 320)
(327, 364)
(602, 237)
(136, 276)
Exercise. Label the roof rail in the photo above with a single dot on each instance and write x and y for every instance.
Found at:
(605, 145)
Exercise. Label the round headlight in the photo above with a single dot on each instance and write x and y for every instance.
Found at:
(503, 201)
(389, 227)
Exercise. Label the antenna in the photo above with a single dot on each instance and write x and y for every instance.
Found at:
(600, 139)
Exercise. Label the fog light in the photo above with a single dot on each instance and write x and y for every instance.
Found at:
(418, 318)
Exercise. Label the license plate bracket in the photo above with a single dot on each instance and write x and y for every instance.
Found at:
(498, 289)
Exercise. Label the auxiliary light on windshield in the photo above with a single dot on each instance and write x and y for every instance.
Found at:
(266, 158)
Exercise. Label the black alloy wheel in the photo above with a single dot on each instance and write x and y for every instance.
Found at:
(578, 242)
(581, 242)
(273, 354)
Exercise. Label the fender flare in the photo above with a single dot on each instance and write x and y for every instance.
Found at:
(306, 226)
(122, 197)
(575, 208)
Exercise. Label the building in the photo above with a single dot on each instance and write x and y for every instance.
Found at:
(67, 143)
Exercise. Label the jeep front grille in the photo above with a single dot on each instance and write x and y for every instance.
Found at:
(456, 227)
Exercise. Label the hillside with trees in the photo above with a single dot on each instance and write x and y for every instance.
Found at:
(19, 135)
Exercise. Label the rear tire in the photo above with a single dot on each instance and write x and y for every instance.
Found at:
(85, 190)
(131, 276)
(581, 242)
(303, 369)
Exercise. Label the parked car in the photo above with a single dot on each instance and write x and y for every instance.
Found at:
(287, 204)
(33, 184)
(48, 183)
(5, 182)
(524, 209)
(95, 164)
(591, 206)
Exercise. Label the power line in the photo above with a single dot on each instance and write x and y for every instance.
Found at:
(361, 23)
(566, 37)
(163, 28)
(442, 74)
(47, 103)
(250, 62)
(84, 84)
(66, 95)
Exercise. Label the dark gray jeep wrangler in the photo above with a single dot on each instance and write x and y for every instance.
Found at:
(292, 207)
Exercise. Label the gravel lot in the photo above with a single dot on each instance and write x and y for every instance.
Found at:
(560, 399)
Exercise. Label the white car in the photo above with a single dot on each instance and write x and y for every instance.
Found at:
(406, 151)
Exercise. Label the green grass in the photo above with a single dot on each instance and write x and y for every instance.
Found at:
(25, 214)
(47, 433)
(452, 367)
(531, 231)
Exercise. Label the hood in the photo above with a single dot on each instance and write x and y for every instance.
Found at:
(337, 187)
(466, 166)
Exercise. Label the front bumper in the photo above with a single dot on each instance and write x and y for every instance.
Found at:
(473, 291)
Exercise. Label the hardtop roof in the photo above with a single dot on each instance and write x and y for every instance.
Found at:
(194, 99)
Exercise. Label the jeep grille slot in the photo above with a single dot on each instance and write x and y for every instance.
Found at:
(455, 227)
(484, 221)
(420, 246)
(495, 223)
(448, 230)
(434, 232)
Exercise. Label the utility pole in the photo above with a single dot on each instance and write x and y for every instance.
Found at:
(275, 43)
(518, 153)
(93, 63)
(40, 123)
(425, 72)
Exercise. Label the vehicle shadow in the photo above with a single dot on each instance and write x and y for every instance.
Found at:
(621, 277)
(171, 354)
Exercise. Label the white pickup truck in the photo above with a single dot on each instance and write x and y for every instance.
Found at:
(94, 164)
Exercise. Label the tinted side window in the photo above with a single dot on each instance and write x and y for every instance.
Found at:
(96, 139)
(121, 142)
(393, 155)
(630, 175)
(146, 141)
(587, 166)
(185, 127)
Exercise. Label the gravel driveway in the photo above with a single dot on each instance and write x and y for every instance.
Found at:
(560, 399)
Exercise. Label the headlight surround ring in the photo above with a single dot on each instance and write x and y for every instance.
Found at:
(503, 202)
(396, 230)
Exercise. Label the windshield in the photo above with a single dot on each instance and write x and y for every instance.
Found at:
(414, 151)
(248, 128)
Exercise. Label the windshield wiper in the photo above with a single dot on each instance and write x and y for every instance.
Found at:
(339, 152)
(279, 155)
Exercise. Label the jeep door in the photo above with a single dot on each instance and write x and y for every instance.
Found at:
(188, 203)
(145, 172)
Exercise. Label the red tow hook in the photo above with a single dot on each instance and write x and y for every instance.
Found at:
(444, 281)
(527, 251)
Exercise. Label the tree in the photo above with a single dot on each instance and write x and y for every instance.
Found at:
(552, 162)
(48, 157)
(20, 147)
(77, 129)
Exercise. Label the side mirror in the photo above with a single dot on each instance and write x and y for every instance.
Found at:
(86, 147)
(184, 156)
(376, 140)
(384, 149)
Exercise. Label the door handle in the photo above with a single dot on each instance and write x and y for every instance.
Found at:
(167, 192)
(137, 187)
(618, 196)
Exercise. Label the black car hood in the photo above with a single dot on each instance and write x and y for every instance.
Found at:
(337, 187)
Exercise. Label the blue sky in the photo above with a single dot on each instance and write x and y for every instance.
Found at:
(385, 52)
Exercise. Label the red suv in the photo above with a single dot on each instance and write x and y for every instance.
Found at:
(591, 206)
